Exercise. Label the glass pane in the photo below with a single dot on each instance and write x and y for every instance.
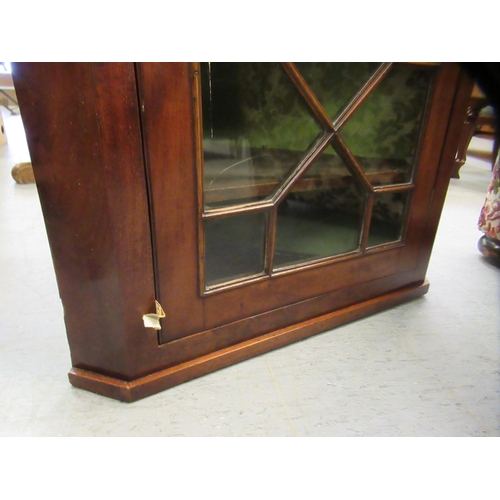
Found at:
(256, 128)
(321, 217)
(234, 247)
(383, 133)
(388, 218)
(336, 83)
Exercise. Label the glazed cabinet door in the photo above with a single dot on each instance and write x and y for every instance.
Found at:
(283, 191)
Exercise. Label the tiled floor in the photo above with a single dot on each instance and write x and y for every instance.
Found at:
(427, 368)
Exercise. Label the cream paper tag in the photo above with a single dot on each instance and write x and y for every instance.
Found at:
(153, 320)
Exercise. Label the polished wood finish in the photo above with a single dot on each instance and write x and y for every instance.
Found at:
(83, 132)
(442, 176)
(159, 381)
(116, 155)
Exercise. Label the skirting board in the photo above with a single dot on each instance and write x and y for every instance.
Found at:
(129, 391)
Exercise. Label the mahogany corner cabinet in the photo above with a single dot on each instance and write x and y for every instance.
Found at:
(200, 214)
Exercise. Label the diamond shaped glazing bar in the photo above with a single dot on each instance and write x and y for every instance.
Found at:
(308, 95)
(359, 98)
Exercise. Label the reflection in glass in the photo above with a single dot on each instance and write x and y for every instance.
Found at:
(234, 247)
(383, 133)
(336, 83)
(256, 128)
(322, 221)
(388, 218)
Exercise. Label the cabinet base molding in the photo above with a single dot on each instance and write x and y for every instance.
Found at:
(129, 391)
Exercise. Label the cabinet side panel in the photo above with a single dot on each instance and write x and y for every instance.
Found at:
(84, 138)
(463, 89)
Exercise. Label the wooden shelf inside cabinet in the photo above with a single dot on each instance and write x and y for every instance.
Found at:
(267, 170)
(140, 210)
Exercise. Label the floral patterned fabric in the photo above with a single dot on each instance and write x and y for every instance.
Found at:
(489, 220)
